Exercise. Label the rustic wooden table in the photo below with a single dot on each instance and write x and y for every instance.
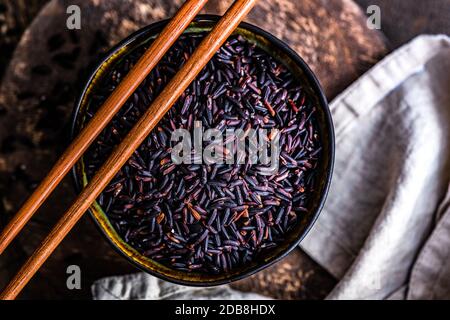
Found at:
(297, 276)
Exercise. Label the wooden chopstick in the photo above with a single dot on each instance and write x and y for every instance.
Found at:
(102, 117)
(205, 51)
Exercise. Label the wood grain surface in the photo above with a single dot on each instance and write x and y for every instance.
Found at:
(15, 16)
(37, 95)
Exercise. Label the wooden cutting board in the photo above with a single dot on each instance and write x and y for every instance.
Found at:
(37, 95)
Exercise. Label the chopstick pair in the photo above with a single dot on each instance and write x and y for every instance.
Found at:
(205, 51)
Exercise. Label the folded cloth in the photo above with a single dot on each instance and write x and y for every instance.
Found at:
(385, 229)
(142, 286)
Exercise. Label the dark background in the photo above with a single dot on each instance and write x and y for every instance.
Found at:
(297, 276)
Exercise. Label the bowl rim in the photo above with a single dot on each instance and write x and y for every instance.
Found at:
(318, 91)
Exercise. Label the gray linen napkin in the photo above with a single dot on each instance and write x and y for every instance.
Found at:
(385, 229)
(390, 178)
(142, 286)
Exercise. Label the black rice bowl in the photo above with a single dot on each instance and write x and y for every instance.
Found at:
(213, 218)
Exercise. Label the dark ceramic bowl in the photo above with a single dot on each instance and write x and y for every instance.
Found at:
(298, 67)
